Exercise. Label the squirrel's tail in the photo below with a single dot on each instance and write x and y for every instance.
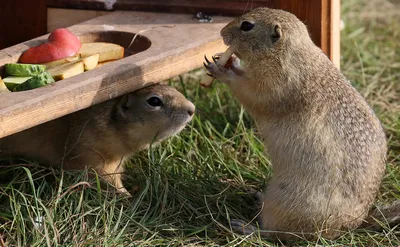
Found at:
(383, 216)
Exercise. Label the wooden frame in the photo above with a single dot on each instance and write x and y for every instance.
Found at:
(322, 17)
(178, 44)
(170, 54)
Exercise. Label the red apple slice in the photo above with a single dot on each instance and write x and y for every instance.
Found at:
(60, 44)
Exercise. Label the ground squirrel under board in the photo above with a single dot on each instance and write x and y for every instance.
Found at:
(102, 136)
(326, 146)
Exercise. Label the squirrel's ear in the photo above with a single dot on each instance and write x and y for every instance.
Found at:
(276, 33)
(122, 107)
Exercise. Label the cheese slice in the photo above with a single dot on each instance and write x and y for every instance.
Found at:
(67, 70)
(106, 51)
(52, 64)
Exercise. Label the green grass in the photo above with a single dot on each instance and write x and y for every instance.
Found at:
(186, 190)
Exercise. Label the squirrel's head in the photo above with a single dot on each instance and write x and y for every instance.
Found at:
(265, 32)
(151, 114)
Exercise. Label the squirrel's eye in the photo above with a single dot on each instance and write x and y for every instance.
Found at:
(246, 26)
(154, 101)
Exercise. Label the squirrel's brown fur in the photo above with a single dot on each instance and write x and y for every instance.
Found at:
(102, 136)
(326, 145)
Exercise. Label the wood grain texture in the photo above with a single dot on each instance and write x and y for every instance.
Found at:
(178, 44)
(322, 17)
(58, 18)
(221, 7)
(334, 51)
(19, 23)
(312, 13)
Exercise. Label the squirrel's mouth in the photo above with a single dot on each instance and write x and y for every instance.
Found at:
(237, 55)
(230, 52)
(226, 38)
(225, 56)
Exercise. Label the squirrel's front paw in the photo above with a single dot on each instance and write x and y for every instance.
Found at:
(220, 72)
(233, 64)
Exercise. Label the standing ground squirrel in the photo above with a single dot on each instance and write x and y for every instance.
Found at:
(104, 135)
(326, 146)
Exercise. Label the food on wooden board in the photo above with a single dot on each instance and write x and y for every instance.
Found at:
(60, 44)
(22, 70)
(61, 57)
(106, 51)
(21, 77)
(12, 81)
(74, 67)
(3, 87)
(62, 61)
(16, 84)
(91, 61)
(103, 63)
(67, 70)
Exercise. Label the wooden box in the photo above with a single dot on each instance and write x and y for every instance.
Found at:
(168, 42)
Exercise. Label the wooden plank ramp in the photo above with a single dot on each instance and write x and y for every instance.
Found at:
(178, 44)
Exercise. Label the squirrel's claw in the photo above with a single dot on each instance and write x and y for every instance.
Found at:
(208, 61)
(208, 64)
(215, 59)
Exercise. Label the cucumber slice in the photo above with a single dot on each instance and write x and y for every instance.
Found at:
(17, 84)
(13, 81)
(22, 70)
(35, 82)
(3, 87)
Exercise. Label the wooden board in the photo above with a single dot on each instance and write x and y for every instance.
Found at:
(334, 51)
(221, 7)
(178, 45)
(58, 18)
(321, 16)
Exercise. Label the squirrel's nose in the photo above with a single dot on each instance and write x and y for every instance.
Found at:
(191, 109)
